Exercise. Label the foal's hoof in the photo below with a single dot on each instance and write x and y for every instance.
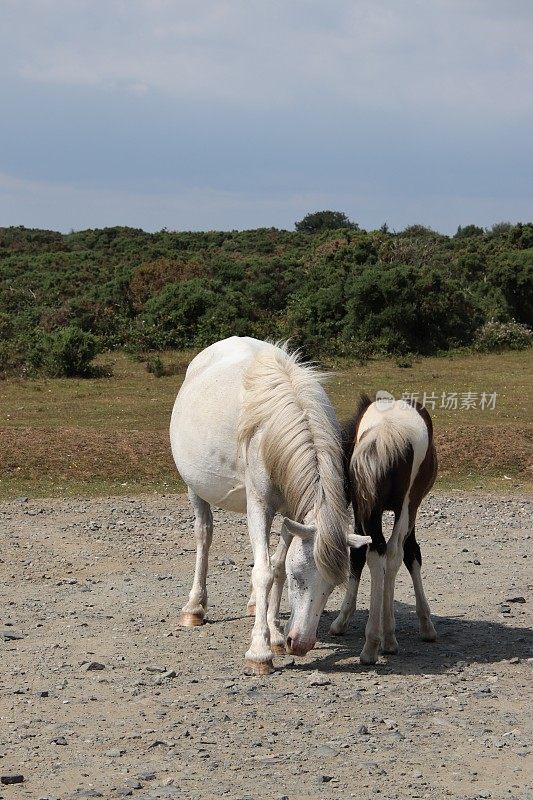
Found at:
(258, 667)
(278, 649)
(189, 620)
(390, 647)
(367, 658)
(337, 629)
(428, 635)
(250, 609)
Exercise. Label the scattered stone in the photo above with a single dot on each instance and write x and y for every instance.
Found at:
(43, 693)
(515, 599)
(325, 778)
(318, 679)
(115, 752)
(147, 776)
(326, 750)
(514, 660)
(9, 636)
(59, 740)
(88, 793)
(93, 665)
(133, 783)
(362, 730)
(8, 780)
(171, 673)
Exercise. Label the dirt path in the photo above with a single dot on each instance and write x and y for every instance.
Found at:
(172, 715)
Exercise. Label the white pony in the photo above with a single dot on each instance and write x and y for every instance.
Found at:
(253, 431)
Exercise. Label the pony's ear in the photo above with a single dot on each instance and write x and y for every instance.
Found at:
(297, 529)
(354, 540)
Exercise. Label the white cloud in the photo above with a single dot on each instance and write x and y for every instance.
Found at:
(442, 57)
(256, 112)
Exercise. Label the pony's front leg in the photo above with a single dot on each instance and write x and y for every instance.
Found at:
(260, 516)
(277, 636)
(357, 562)
(193, 613)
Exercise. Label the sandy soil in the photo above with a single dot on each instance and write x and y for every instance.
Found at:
(170, 714)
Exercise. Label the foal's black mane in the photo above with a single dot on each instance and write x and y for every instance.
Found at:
(349, 428)
(348, 441)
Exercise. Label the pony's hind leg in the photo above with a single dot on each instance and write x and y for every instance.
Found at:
(357, 562)
(394, 560)
(412, 558)
(193, 613)
(376, 560)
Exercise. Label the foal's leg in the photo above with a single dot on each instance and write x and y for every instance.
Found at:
(193, 613)
(412, 558)
(357, 562)
(375, 558)
(250, 605)
(277, 636)
(394, 560)
(260, 516)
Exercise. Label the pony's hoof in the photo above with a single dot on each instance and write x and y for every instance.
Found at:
(367, 658)
(189, 620)
(429, 635)
(258, 667)
(278, 649)
(390, 647)
(337, 630)
(250, 609)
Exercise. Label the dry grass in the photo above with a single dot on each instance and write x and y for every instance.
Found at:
(110, 435)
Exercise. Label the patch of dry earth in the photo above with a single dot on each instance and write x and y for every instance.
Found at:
(171, 713)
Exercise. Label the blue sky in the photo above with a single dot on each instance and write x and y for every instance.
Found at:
(245, 113)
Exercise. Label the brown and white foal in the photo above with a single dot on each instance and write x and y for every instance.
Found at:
(392, 465)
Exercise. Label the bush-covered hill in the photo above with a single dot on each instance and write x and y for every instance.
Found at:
(63, 297)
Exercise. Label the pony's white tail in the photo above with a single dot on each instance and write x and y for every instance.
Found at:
(377, 452)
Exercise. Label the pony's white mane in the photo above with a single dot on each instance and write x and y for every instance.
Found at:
(301, 448)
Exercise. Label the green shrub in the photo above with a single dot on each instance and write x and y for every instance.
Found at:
(171, 318)
(495, 336)
(155, 366)
(404, 361)
(6, 326)
(407, 309)
(66, 353)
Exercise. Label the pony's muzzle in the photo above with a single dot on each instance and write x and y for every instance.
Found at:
(297, 646)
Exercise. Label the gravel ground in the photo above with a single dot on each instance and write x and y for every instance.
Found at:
(103, 695)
